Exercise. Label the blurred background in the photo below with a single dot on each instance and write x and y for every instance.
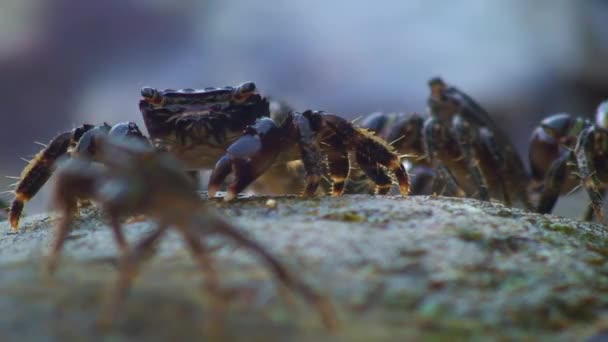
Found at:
(66, 62)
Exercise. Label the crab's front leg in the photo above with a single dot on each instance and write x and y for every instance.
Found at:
(39, 170)
(466, 138)
(249, 156)
(591, 144)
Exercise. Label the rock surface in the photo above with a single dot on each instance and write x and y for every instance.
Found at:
(396, 269)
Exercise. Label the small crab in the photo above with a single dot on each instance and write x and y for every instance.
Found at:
(198, 132)
(461, 136)
(568, 152)
(132, 178)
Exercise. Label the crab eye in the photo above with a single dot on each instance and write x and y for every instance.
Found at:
(152, 96)
(247, 87)
(148, 92)
(601, 116)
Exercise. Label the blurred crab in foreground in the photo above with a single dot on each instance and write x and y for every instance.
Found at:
(230, 124)
(133, 178)
(460, 137)
(567, 152)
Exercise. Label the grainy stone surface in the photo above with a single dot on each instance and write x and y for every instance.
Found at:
(396, 268)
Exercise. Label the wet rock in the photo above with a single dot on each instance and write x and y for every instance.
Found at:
(396, 268)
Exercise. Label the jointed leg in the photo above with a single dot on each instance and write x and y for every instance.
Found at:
(435, 135)
(249, 156)
(372, 151)
(374, 172)
(554, 179)
(465, 136)
(339, 167)
(211, 281)
(585, 151)
(36, 174)
(589, 211)
(75, 182)
(444, 183)
(489, 142)
(63, 229)
(128, 270)
(285, 277)
(369, 147)
(118, 235)
(312, 158)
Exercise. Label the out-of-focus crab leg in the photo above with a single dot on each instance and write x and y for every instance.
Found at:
(445, 182)
(585, 150)
(488, 140)
(553, 181)
(248, 157)
(286, 278)
(77, 178)
(464, 135)
(128, 270)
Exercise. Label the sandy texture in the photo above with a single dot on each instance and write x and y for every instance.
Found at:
(395, 268)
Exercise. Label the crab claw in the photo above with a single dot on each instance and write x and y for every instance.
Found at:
(248, 157)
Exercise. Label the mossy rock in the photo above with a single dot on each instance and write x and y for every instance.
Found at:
(396, 269)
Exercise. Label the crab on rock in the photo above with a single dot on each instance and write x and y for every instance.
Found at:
(567, 152)
(232, 125)
(461, 136)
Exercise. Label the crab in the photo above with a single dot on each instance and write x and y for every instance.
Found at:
(461, 138)
(182, 124)
(568, 152)
(232, 125)
(130, 178)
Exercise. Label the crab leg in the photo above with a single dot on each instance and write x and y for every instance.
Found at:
(281, 273)
(37, 173)
(585, 150)
(370, 149)
(248, 157)
(76, 181)
(488, 140)
(339, 167)
(553, 180)
(444, 182)
(128, 270)
(312, 157)
(465, 136)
